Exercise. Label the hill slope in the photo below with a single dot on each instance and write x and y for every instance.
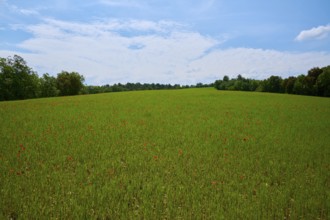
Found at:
(194, 153)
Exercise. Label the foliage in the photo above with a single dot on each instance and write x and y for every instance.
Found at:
(240, 84)
(135, 87)
(316, 82)
(69, 83)
(288, 84)
(184, 154)
(323, 82)
(272, 84)
(17, 80)
(299, 85)
(49, 86)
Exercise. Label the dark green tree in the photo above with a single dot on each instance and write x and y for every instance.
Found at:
(299, 85)
(253, 84)
(7, 77)
(309, 85)
(323, 82)
(288, 84)
(17, 80)
(314, 73)
(49, 86)
(69, 83)
(272, 84)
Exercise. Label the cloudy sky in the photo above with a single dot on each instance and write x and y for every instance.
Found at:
(182, 41)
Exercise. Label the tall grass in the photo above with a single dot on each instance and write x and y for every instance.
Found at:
(181, 154)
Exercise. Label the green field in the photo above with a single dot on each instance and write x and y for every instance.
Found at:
(177, 154)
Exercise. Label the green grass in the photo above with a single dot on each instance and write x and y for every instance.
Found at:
(180, 154)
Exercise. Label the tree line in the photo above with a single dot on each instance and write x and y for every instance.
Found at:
(119, 87)
(19, 81)
(315, 83)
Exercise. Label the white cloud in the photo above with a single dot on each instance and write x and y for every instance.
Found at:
(319, 32)
(259, 63)
(56, 28)
(104, 53)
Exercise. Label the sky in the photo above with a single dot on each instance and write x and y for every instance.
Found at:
(177, 42)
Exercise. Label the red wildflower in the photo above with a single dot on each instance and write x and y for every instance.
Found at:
(22, 147)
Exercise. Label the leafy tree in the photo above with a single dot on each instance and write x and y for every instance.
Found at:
(217, 84)
(314, 73)
(299, 86)
(240, 83)
(323, 82)
(69, 83)
(240, 77)
(288, 84)
(309, 85)
(253, 85)
(17, 80)
(272, 84)
(6, 80)
(222, 84)
(316, 82)
(49, 86)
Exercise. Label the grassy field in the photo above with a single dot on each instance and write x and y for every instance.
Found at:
(179, 154)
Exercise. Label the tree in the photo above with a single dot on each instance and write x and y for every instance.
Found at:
(310, 80)
(299, 86)
(217, 84)
(199, 85)
(288, 84)
(253, 84)
(239, 85)
(6, 80)
(309, 85)
(69, 83)
(49, 86)
(314, 73)
(240, 77)
(273, 84)
(323, 82)
(17, 80)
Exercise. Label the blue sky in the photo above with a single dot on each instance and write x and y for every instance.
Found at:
(183, 41)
